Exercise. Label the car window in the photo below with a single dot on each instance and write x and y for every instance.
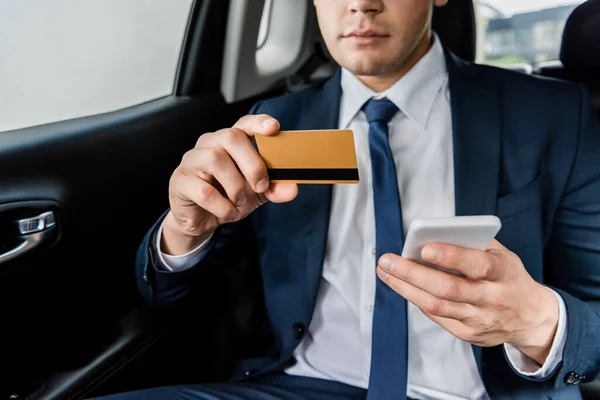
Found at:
(63, 59)
(523, 33)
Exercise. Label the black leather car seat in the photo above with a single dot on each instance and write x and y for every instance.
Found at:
(455, 24)
(580, 50)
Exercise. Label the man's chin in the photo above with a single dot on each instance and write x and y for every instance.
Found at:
(370, 70)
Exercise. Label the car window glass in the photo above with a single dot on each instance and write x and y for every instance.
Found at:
(63, 59)
(524, 33)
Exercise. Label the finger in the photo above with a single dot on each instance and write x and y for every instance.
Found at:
(424, 301)
(466, 333)
(282, 192)
(440, 284)
(246, 158)
(474, 264)
(207, 197)
(259, 124)
(216, 162)
(250, 125)
(455, 327)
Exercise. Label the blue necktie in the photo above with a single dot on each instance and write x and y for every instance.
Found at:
(389, 351)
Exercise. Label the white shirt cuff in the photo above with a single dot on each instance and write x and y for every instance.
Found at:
(528, 367)
(181, 262)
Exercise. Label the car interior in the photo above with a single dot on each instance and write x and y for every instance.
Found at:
(77, 196)
(577, 63)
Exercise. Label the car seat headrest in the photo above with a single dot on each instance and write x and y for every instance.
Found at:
(581, 40)
(455, 25)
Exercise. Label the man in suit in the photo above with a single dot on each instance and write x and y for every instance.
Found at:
(435, 137)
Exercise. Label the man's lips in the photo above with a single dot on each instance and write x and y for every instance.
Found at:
(365, 37)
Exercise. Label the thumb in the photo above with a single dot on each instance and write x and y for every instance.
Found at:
(282, 192)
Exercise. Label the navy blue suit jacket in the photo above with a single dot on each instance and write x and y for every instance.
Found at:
(525, 149)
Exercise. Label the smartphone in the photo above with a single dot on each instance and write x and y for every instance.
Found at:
(473, 232)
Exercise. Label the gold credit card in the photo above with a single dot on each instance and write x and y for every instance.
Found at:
(316, 156)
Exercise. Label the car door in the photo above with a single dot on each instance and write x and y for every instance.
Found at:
(98, 103)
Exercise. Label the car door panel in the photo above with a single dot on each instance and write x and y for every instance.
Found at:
(70, 311)
(106, 180)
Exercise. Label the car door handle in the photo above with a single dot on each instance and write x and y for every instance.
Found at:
(33, 232)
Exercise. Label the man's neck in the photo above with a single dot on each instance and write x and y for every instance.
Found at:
(380, 83)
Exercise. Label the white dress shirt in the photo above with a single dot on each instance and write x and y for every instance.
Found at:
(338, 343)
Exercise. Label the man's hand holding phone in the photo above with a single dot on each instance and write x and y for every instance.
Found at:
(492, 300)
(221, 180)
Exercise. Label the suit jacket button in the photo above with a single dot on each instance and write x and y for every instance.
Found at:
(145, 278)
(298, 331)
(250, 372)
(572, 378)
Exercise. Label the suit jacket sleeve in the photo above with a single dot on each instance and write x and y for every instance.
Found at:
(231, 258)
(573, 253)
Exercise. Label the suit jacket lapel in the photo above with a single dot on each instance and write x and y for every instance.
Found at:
(476, 123)
(299, 254)
(312, 205)
(477, 128)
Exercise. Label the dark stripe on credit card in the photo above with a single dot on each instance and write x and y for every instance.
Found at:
(314, 174)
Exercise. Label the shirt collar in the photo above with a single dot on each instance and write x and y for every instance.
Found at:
(413, 94)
